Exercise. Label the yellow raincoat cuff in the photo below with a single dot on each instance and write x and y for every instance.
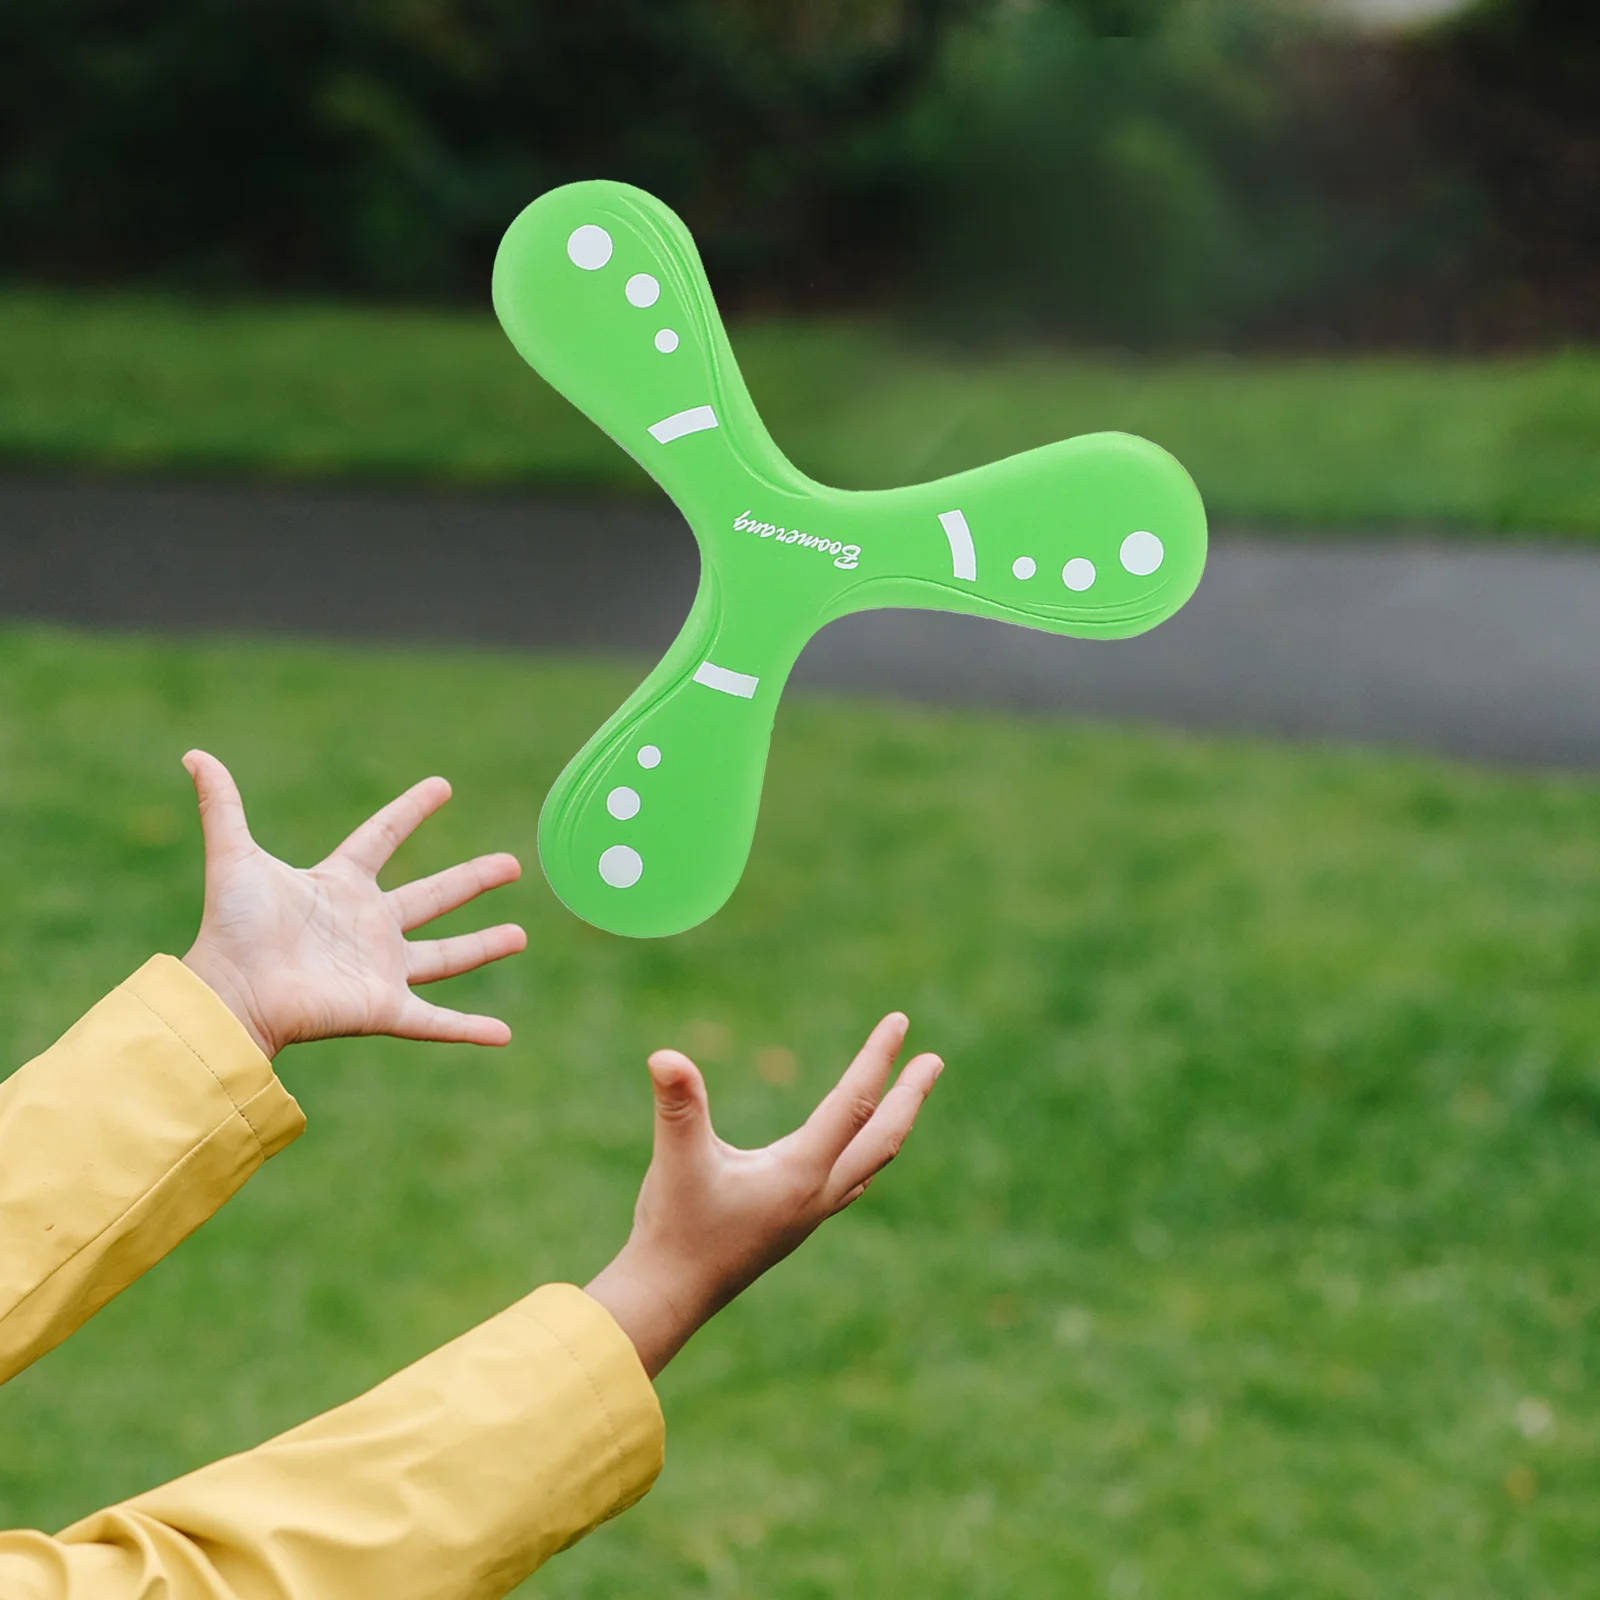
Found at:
(456, 1477)
(118, 1142)
(219, 1044)
(589, 1335)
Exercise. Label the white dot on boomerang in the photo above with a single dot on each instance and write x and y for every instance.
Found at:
(649, 756)
(589, 247)
(1142, 553)
(666, 341)
(1024, 567)
(621, 865)
(1078, 574)
(623, 803)
(642, 290)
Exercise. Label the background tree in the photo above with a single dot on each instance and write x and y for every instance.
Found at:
(1128, 171)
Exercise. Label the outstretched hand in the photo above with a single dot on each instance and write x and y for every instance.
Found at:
(712, 1218)
(319, 952)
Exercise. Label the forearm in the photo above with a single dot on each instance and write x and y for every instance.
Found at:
(118, 1142)
(451, 1481)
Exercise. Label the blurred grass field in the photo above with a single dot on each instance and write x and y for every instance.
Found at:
(123, 383)
(1246, 1248)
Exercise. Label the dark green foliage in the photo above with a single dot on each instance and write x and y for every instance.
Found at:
(1217, 174)
(383, 145)
(1127, 171)
(1513, 93)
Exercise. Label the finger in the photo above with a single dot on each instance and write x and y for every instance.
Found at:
(419, 1020)
(427, 898)
(428, 960)
(371, 845)
(847, 1107)
(222, 819)
(879, 1142)
(683, 1109)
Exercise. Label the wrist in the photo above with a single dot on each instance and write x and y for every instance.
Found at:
(223, 979)
(658, 1306)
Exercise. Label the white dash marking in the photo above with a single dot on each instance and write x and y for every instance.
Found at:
(695, 420)
(621, 866)
(963, 558)
(623, 803)
(734, 683)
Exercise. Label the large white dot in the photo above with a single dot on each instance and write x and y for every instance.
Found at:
(1142, 553)
(1078, 574)
(666, 341)
(623, 802)
(589, 247)
(642, 290)
(649, 756)
(1024, 567)
(621, 865)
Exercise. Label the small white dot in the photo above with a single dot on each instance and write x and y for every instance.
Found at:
(589, 247)
(666, 341)
(621, 865)
(649, 756)
(1024, 567)
(623, 803)
(1078, 574)
(1142, 553)
(642, 290)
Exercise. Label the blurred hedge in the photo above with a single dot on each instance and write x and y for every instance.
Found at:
(1131, 171)
(1512, 93)
(383, 145)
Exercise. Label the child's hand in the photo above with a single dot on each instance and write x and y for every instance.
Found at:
(320, 952)
(711, 1219)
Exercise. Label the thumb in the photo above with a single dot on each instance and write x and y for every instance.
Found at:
(683, 1112)
(222, 819)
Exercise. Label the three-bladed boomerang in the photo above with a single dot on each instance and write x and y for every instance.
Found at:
(646, 832)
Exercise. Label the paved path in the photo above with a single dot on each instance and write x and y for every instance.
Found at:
(1492, 653)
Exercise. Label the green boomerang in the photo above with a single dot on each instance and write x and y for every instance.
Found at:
(646, 832)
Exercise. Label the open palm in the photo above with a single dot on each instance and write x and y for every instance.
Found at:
(318, 952)
(711, 1218)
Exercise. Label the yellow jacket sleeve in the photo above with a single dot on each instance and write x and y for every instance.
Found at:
(451, 1481)
(118, 1142)
(454, 1479)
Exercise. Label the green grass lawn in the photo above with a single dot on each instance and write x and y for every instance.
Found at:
(1249, 1246)
(125, 383)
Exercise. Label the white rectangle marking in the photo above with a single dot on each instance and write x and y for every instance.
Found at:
(963, 558)
(736, 683)
(695, 420)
